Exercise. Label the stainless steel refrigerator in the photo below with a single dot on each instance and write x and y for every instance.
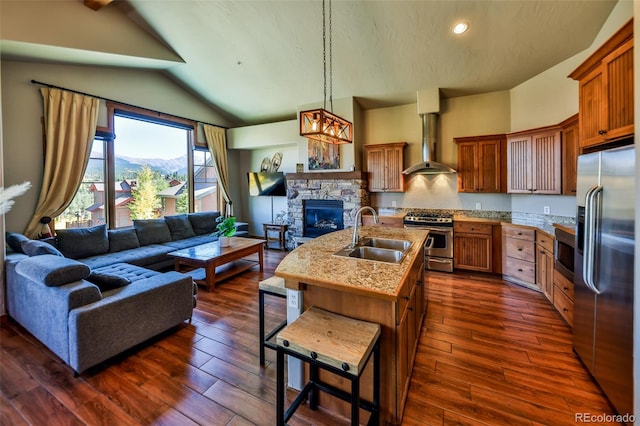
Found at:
(603, 275)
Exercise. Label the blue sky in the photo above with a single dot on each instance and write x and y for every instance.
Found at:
(139, 139)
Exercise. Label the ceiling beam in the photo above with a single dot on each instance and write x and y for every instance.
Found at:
(96, 4)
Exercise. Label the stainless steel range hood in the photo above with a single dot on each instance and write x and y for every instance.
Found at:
(429, 136)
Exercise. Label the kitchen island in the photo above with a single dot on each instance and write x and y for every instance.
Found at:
(390, 294)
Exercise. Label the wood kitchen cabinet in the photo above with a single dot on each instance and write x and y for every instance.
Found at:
(606, 91)
(570, 152)
(389, 221)
(534, 161)
(385, 163)
(473, 246)
(544, 263)
(482, 163)
(563, 296)
(519, 255)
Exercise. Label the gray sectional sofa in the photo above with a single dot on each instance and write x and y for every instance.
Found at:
(91, 293)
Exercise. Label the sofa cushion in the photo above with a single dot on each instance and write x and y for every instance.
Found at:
(152, 231)
(106, 281)
(15, 241)
(203, 222)
(124, 270)
(52, 270)
(83, 242)
(122, 239)
(180, 227)
(38, 248)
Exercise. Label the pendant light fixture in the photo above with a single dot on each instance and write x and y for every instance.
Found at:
(320, 124)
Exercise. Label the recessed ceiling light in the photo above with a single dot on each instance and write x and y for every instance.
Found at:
(460, 27)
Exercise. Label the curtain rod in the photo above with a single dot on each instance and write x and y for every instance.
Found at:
(122, 103)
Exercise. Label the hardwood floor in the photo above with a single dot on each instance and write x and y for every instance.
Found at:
(490, 353)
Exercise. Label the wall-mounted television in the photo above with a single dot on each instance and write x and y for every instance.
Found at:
(265, 183)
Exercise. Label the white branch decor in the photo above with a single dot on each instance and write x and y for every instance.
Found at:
(8, 194)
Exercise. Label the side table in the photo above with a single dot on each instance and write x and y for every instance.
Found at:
(281, 229)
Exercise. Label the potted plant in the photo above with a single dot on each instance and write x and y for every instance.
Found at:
(226, 228)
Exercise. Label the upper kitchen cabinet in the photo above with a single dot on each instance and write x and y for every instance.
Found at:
(570, 151)
(534, 161)
(385, 163)
(482, 163)
(606, 91)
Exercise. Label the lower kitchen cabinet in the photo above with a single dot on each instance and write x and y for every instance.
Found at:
(473, 246)
(388, 221)
(544, 264)
(563, 296)
(519, 258)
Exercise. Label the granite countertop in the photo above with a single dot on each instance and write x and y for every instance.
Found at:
(314, 263)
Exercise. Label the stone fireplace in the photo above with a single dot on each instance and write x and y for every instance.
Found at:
(321, 217)
(350, 188)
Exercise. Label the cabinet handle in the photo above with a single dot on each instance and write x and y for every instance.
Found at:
(602, 132)
(410, 308)
(565, 288)
(541, 251)
(519, 270)
(405, 297)
(519, 233)
(520, 249)
(565, 309)
(573, 190)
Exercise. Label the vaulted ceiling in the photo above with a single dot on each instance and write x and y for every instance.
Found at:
(259, 60)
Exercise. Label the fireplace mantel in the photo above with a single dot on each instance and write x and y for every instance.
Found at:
(327, 175)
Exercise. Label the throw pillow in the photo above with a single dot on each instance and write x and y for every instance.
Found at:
(52, 270)
(122, 239)
(203, 222)
(15, 241)
(38, 248)
(152, 231)
(78, 243)
(106, 281)
(180, 227)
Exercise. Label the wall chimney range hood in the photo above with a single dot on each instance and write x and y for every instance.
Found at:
(429, 136)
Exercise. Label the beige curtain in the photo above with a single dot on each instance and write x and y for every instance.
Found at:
(217, 143)
(70, 121)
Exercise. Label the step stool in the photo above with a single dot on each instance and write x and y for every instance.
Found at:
(273, 286)
(334, 343)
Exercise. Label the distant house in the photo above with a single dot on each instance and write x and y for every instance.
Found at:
(123, 198)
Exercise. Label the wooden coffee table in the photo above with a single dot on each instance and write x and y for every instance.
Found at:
(229, 261)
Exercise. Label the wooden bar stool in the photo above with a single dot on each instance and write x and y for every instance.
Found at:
(334, 343)
(273, 286)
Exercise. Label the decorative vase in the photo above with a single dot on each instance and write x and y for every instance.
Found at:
(225, 241)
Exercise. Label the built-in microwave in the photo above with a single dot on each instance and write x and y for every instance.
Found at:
(564, 252)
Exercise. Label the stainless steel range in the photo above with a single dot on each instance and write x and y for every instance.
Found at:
(439, 247)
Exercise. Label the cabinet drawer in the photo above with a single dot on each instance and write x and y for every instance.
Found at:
(545, 240)
(403, 299)
(563, 284)
(563, 304)
(521, 269)
(520, 249)
(388, 221)
(472, 228)
(519, 233)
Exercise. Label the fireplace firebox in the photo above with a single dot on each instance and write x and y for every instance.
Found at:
(322, 217)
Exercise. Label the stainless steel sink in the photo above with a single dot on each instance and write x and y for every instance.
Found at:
(377, 254)
(387, 243)
(378, 250)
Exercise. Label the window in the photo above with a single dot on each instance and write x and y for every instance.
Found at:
(204, 181)
(145, 169)
(88, 205)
